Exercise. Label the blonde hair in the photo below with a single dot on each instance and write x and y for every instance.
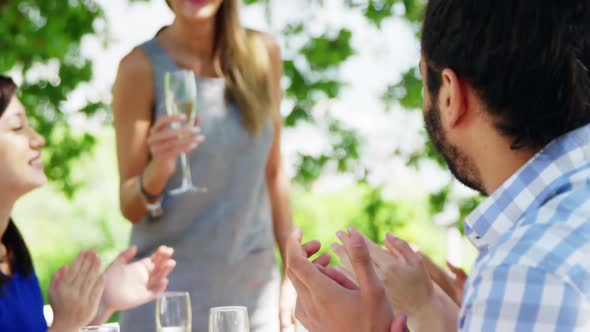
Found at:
(242, 59)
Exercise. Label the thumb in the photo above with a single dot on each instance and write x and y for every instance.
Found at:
(361, 262)
(399, 323)
(58, 276)
(128, 254)
(458, 272)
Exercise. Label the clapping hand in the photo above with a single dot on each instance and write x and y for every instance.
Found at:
(75, 292)
(131, 284)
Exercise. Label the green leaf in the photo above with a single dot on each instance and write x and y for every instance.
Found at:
(408, 92)
(437, 201)
(379, 10)
(310, 168)
(298, 113)
(324, 52)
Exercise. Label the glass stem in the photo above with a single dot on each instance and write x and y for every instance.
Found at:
(187, 178)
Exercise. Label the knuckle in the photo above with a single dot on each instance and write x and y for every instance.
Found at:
(418, 259)
(296, 263)
(389, 274)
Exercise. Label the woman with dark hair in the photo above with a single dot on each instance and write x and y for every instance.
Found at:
(79, 294)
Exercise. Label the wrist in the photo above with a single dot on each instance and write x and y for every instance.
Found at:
(427, 317)
(154, 179)
(148, 195)
(161, 170)
(59, 325)
(151, 201)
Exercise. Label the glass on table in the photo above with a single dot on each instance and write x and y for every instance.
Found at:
(173, 312)
(229, 319)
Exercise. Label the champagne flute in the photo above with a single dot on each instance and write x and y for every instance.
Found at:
(173, 312)
(229, 319)
(180, 92)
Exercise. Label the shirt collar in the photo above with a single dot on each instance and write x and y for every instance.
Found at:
(530, 185)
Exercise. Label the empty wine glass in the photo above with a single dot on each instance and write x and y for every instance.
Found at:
(173, 312)
(229, 319)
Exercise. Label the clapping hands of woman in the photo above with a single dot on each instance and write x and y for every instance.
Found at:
(79, 295)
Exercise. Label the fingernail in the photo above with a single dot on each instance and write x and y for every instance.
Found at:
(340, 234)
(196, 130)
(351, 229)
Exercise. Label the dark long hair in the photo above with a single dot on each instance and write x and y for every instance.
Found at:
(17, 252)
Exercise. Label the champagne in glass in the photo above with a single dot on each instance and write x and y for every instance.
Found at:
(180, 91)
(229, 319)
(173, 312)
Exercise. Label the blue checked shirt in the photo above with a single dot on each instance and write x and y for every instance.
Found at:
(533, 237)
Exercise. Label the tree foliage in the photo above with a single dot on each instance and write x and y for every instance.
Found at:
(311, 70)
(37, 33)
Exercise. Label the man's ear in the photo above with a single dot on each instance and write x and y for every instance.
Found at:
(452, 99)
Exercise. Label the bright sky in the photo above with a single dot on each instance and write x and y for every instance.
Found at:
(382, 57)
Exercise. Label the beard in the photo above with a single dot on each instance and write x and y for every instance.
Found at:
(460, 165)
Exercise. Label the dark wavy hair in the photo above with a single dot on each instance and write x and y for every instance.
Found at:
(528, 60)
(18, 254)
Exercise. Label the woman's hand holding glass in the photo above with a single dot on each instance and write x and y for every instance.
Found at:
(75, 292)
(168, 140)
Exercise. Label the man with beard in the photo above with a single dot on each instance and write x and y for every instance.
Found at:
(507, 103)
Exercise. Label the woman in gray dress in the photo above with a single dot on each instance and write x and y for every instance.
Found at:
(224, 238)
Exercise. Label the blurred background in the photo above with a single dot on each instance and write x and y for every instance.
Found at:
(354, 142)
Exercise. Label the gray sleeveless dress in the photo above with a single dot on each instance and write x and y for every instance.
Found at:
(223, 239)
